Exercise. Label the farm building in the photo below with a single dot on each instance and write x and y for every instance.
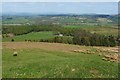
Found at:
(60, 34)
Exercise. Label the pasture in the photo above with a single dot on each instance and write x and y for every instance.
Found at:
(31, 36)
(55, 60)
(37, 59)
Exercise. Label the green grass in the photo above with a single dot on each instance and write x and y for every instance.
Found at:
(38, 63)
(31, 36)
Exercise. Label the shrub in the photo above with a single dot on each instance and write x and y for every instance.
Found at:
(12, 40)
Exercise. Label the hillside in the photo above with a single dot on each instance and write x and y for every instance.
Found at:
(54, 60)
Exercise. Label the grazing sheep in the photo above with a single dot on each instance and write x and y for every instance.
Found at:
(78, 51)
(15, 53)
(111, 58)
(107, 56)
(115, 56)
(99, 54)
(104, 59)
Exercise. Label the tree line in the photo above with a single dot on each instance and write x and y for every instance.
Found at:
(70, 35)
(24, 29)
(82, 37)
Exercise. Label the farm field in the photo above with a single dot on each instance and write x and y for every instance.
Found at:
(31, 36)
(55, 60)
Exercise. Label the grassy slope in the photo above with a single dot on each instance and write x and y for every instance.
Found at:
(43, 60)
(31, 36)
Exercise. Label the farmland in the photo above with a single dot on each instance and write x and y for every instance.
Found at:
(55, 60)
(59, 40)
(60, 46)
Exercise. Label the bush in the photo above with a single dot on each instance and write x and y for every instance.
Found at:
(12, 40)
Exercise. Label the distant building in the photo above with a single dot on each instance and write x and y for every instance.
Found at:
(60, 34)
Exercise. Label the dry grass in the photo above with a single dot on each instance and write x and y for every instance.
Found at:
(56, 47)
(43, 46)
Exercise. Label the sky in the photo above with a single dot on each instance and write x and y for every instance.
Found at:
(60, 7)
(60, 0)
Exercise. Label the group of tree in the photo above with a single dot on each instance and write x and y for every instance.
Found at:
(82, 37)
(24, 29)
(89, 39)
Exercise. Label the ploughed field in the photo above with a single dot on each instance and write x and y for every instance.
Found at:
(55, 60)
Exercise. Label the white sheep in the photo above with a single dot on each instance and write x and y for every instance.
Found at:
(15, 53)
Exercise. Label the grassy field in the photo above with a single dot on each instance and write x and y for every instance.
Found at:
(100, 30)
(31, 36)
(54, 60)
